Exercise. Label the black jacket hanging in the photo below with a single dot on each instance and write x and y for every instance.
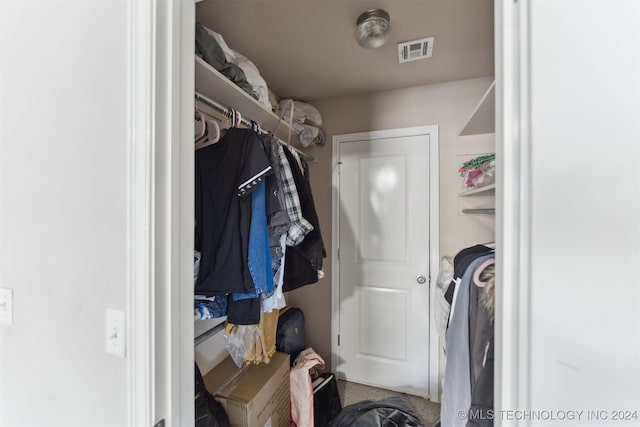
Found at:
(225, 175)
(303, 261)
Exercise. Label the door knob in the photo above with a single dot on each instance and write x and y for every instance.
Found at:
(421, 279)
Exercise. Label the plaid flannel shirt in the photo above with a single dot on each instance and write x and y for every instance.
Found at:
(300, 227)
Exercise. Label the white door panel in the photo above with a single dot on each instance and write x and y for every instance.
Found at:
(384, 246)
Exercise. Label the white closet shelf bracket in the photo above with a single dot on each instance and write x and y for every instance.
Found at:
(483, 118)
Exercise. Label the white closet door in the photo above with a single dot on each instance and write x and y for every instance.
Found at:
(384, 241)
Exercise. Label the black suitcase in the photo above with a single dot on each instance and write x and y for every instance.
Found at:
(326, 399)
(290, 332)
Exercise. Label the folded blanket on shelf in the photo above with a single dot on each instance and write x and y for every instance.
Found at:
(260, 91)
(207, 48)
(307, 121)
(302, 112)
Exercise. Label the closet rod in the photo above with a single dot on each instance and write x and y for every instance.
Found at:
(209, 333)
(225, 110)
(490, 211)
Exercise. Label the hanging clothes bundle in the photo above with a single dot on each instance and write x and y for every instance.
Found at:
(304, 259)
(468, 378)
(252, 206)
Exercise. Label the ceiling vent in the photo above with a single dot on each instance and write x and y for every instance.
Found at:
(415, 49)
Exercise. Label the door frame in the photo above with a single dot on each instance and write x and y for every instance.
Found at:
(434, 237)
(174, 190)
(512, 222)
(160, 197)
(513, 207)
(140, 327)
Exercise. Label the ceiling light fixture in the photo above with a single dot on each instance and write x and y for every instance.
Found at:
(372, 28)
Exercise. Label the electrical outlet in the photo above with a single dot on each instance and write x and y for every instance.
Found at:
(6, 306)
(116, 332)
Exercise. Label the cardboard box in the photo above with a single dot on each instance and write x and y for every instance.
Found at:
(254, 395)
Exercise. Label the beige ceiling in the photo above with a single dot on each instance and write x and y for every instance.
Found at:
(305, 49)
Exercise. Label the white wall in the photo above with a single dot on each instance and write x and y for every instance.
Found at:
(63, 177)
(585, 207)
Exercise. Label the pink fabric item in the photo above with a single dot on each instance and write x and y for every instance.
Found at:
(301, 388)
(471, 175)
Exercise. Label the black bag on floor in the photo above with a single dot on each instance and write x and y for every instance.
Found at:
(326, 399)
(392, 411)
(290, 332)
(209, 412)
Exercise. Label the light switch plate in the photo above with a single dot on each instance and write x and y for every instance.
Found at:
(6, 306)
(116, 332)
